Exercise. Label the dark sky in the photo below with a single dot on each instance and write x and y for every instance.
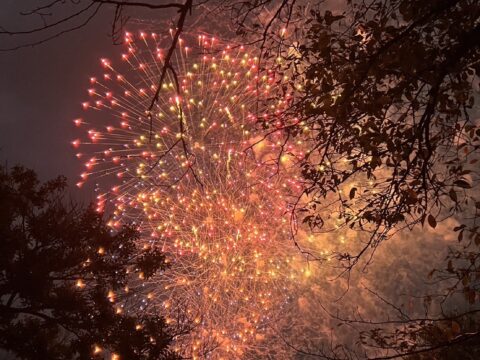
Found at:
(42, 87)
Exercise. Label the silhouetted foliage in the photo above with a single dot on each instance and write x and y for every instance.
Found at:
(64, 278)
(387, 99)
(387, 106)
(449, 337)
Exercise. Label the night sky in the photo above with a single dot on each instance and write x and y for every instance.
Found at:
(42, 87)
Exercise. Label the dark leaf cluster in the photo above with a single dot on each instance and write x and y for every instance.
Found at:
(64, 277)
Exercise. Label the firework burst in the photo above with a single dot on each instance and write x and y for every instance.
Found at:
(191, 174)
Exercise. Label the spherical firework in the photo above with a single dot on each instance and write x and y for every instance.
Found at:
(198, 181)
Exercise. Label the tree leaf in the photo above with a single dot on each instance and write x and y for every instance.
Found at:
(352, 193)
(450, 266)
(431, 221)
(453, 195)
(463, 184)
